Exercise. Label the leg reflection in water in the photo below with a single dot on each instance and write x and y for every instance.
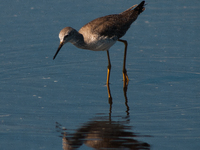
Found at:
(125, 87)
(104, 132)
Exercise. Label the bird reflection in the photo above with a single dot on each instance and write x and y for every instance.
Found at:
(104, 132)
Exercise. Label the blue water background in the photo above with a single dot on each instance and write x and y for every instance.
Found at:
(163, 64)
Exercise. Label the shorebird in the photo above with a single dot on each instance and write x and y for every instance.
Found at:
(101, 33)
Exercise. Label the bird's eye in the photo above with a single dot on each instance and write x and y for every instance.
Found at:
(65, 36)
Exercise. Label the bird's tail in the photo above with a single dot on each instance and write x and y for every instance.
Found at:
(132, 13)
(140, 8)
(137, 8)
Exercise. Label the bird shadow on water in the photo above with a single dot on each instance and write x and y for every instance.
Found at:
(104, 131)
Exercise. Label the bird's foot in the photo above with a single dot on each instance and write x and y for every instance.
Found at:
(125, 78)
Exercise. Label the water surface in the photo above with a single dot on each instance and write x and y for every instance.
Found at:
(44, 102)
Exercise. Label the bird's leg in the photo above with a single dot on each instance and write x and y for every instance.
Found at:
(109, 68)
(125, 76)
(108, 78)
(109, 96)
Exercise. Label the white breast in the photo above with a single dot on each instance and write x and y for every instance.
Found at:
(100, 43)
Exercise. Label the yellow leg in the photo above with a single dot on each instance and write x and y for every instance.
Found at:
(109, 95)
(108, 79)
(109, 68)
(125, 76)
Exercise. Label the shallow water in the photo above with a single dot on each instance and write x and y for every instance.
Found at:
(45, 103)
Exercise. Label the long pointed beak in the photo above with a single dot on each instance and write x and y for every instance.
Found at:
(60, 46)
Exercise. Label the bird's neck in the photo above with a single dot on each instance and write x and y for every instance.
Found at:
(78, 40)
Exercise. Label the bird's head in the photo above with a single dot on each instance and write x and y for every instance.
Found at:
(65, 35)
